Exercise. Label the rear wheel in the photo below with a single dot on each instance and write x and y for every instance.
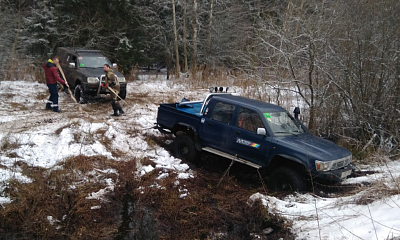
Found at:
(286, 180)
(184, 148)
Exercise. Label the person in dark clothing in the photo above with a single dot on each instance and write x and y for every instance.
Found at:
(111, 81)
(52, 77)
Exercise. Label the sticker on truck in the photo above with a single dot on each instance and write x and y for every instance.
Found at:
(247, 143)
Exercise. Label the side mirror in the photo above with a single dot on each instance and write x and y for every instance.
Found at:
(261, 131)
(114, 65)
(296, 112)
(71, 65)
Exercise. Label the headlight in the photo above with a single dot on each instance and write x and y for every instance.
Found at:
(323, 166)
(333, 165)
(121, 79)
(92, 80)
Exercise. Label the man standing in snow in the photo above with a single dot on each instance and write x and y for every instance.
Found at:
(52, 77)
(112, 83)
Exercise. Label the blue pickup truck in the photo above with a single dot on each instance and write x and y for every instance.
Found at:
(255, 133)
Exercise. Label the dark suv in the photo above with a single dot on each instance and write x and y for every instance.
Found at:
(84, 72)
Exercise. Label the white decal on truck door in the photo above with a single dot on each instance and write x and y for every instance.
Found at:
(247, 143)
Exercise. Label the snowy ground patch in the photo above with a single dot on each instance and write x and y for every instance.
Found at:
(41, 138)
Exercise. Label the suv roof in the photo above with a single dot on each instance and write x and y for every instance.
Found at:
(252, 103)
(79, 51)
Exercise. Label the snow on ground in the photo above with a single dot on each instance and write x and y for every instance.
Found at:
(368, 214)
(37, 137)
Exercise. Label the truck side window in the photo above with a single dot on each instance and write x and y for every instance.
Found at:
(249, 120)
(222, 112)
(72, 59)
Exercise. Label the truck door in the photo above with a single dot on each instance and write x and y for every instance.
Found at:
(215, 125)
(244, 140)
(69, 74)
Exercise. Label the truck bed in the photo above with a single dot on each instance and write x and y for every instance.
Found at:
(171, 114)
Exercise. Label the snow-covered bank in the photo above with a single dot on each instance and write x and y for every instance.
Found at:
(40, 138)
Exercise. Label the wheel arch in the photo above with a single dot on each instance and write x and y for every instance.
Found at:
(189, 130)
(184, 127)
(78, 81)
(287, 161)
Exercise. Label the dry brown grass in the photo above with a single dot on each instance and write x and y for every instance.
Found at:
(7, 145)
(208, 209)
(21, 68)
(62, 194)
(42, 95)
(60, 129)
(137, 208)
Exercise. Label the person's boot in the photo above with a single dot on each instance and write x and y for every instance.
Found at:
(48, 105)
(56, 109)
(115, 112)
(115, 108)
(119, 108)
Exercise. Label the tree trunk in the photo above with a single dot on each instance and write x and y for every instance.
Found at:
(184, 36)
(177, 67)
(194, 57)
(210, 28)
(18, 30)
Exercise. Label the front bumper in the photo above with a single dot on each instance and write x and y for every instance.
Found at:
(92, 88)
(334, 175)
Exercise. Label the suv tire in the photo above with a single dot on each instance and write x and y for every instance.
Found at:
(122, 94)
(286, 180)
(184, 148)
(79, 94)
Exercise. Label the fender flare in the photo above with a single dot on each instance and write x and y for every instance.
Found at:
(196, 137)
(293, 159)
(188, 126)
(77, 81)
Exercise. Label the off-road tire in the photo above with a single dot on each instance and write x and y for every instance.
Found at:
(79, 94)
(122, 95)
(286, 180)
(184, 148)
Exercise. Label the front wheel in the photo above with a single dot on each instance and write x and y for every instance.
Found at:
(122, 94)
(78, 94)
(184, 148)
(286, 180)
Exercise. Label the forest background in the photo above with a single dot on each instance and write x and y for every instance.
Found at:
(339, 57)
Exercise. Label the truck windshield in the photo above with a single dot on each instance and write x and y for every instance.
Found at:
(93, 62)
(281, 123)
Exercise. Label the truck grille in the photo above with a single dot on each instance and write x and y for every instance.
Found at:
(342, 162)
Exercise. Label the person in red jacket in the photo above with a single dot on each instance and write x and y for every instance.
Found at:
(52, 77)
